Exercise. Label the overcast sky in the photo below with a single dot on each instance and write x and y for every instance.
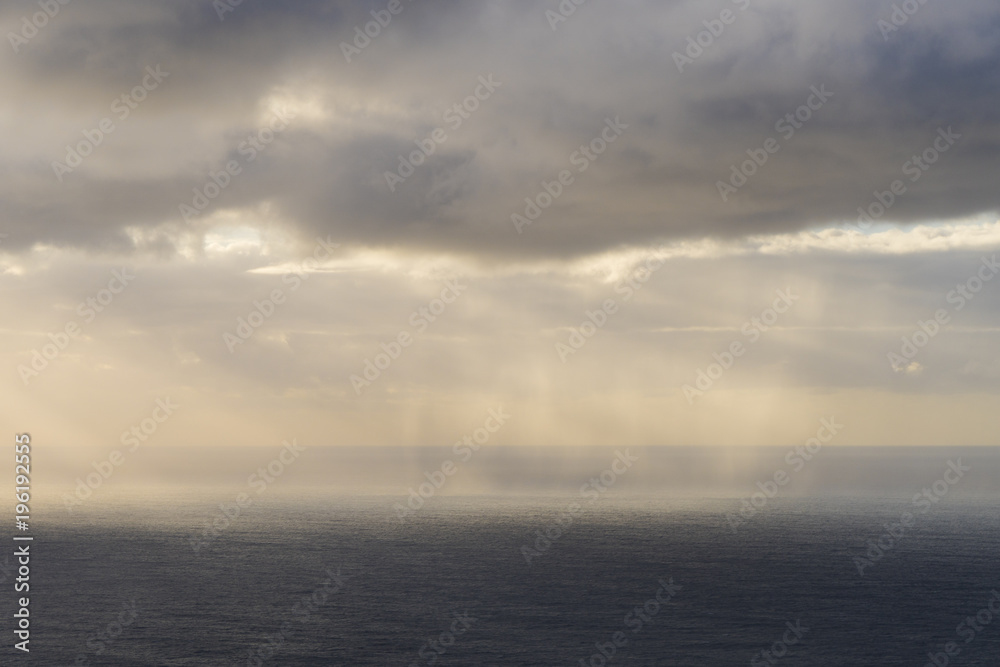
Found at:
(681, 167)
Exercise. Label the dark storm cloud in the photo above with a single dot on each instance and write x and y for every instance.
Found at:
(326, 173)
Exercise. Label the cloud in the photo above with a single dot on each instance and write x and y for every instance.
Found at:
(590, 131)
(497, 342)
(326, 173)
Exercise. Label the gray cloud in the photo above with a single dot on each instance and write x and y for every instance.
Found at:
(324, 175)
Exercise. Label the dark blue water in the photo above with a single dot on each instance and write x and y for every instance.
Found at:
(125, 587)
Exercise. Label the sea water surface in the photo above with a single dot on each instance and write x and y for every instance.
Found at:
(344, 581)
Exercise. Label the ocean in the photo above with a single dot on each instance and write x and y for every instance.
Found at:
(517, 582)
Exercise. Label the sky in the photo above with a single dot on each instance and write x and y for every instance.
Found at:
(624, 224)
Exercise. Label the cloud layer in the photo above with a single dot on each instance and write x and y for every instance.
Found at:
(326, 173)
(371, 239)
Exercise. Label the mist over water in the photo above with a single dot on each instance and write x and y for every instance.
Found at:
(501, 470)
